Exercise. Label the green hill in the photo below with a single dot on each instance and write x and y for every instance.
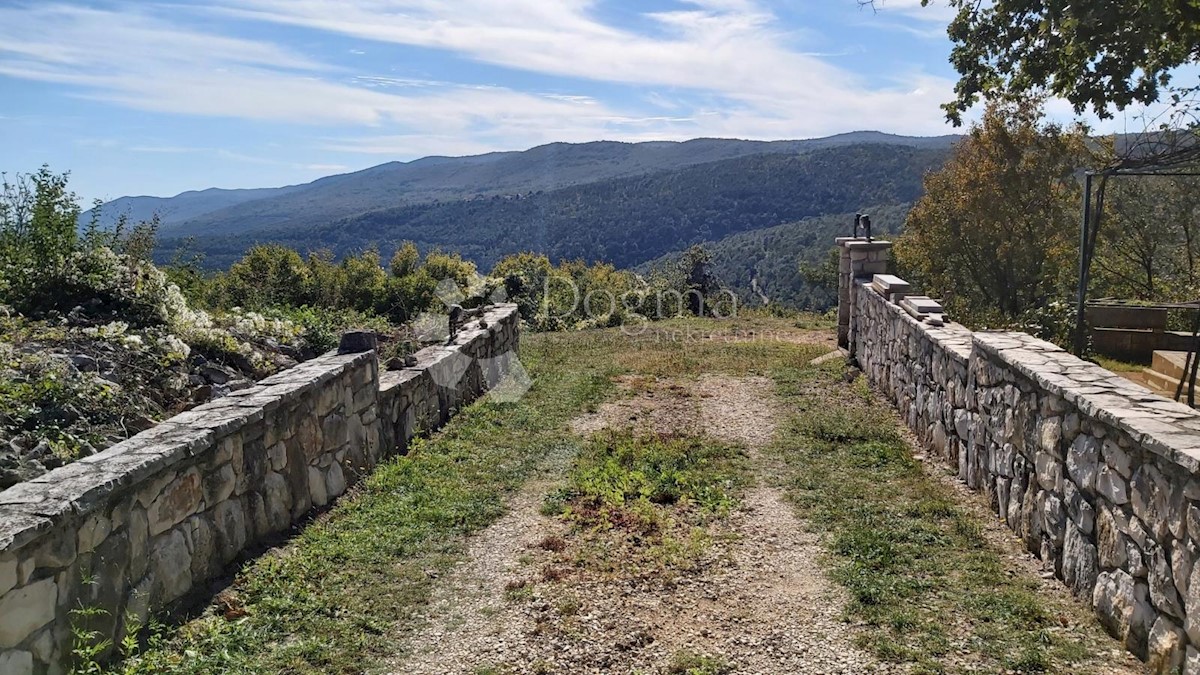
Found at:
(764, 264)
(624, 221)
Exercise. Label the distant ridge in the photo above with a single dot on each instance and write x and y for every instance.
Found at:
(624, 220)
(437, 178)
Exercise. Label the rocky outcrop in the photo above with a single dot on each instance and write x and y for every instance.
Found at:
(1096, 475)
(139, 526)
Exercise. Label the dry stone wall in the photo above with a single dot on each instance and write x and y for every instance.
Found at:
(136, 528)
(1095, 474)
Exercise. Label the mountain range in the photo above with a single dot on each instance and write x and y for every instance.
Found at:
(623, 203)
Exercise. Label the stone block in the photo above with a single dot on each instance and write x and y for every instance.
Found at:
(229, 523)
(278, 500)
(1080, 565)
(8, 573)
(335, 432)
(171, 567)
(335, 481)
(277, 453)
(202, 547)
(1123, 607)
(26, 609)
(16, 662)
(93, 531)
(219, 484)
(1111, 486)
(179, 499)
(1049, 471)
(1116, 457)
(1083, 462)
(1150, 496)
(316, 487)
(1166, 648)
(1162, 584)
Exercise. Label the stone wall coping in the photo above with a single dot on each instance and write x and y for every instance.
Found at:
(952, 338)
(1164, 427)
(864, 245)
(436, 353)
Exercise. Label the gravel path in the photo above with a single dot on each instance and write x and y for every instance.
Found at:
(760, 601)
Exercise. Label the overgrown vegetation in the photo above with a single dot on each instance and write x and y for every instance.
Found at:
(97, 343)
(920, 572)
(639, 504)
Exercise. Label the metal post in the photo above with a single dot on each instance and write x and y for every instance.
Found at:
(1080, 328)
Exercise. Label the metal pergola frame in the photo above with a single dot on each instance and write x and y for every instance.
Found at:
(1085, 265)
(1085, 262)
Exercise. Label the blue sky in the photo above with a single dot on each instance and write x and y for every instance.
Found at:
(146, 97)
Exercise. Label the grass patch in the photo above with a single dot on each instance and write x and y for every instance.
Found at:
(917, 567)
(640, 504)
(691, 663)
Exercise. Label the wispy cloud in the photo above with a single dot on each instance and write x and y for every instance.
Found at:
(733, 48)
(715, 67)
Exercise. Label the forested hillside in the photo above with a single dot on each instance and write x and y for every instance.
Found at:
(624, 221)
(770, 264)
(394, 184)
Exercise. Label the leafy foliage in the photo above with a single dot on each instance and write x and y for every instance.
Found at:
(1094, 54)
(1149, 249)
(995, 232)
(96, 342)
(789, 265)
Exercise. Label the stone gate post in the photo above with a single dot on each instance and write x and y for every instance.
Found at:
(859, 259)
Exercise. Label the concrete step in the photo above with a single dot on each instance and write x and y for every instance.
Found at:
(1169, 363)
(1161, 383)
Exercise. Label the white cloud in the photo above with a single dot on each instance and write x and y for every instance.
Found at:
(718, 67)
(734, 49)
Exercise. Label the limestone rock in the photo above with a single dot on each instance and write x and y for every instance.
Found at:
(1078, 508)
(1162, 584)
(1123, 607)
(1049, 471)
(1166, 647)
(219, 484)
(1049, 434)
(8, 574)
(1151, 499)
(24, 610)
(1083, 462)
(1116, 457)
(1080, 565)
(177, 501)
(171, 566)
(356, 341)
(16, 662)
(1112, 486)
(335, 481)
(278, 500)
(316, 487)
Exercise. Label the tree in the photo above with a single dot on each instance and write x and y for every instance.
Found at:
(269, 275)
(994, 233)
(1149, 249)
(1095, 54)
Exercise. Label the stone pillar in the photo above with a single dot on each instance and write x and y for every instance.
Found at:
(860, 259)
